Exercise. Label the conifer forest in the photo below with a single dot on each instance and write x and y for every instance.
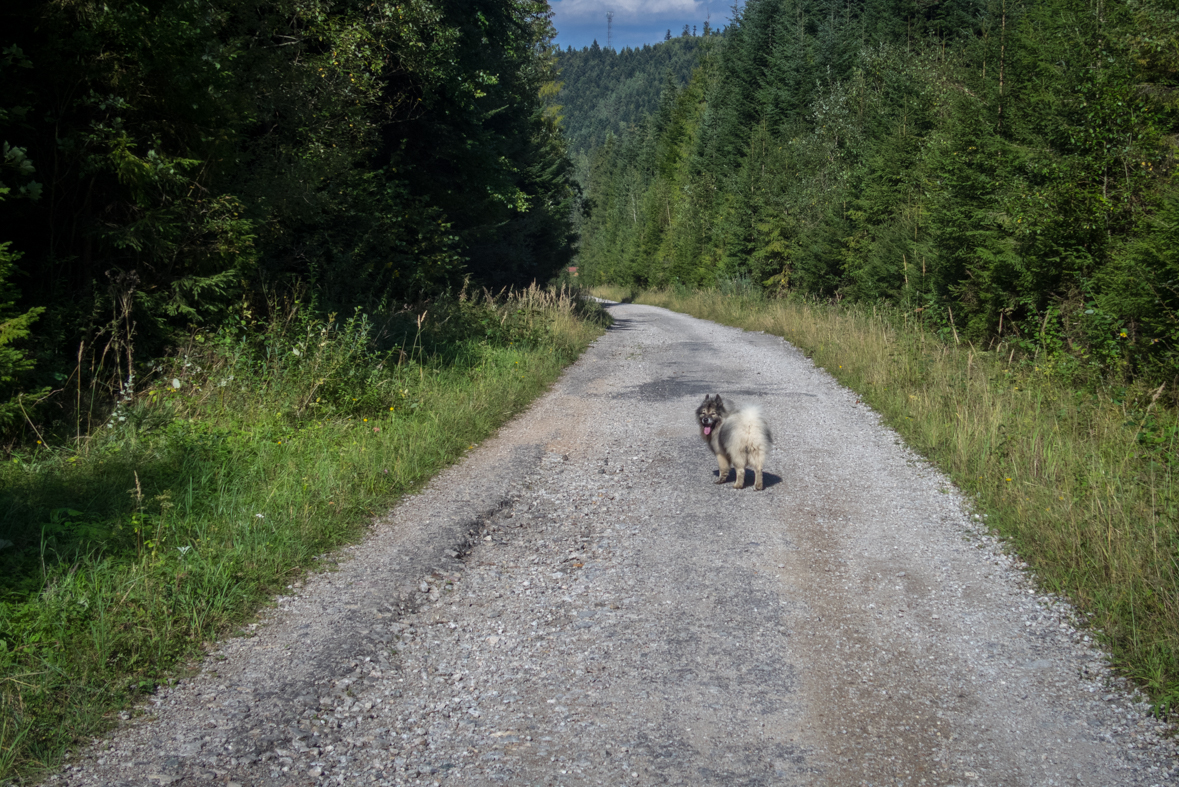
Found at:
(1002, 169)
(604, 91)
(166, 161)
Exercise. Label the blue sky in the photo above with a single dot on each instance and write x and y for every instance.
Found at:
(636, 22)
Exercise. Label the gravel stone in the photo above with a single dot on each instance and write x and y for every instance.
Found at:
(577, 603)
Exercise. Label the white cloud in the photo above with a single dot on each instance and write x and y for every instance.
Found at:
(628, 10)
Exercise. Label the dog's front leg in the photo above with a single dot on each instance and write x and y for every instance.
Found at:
(723, 475)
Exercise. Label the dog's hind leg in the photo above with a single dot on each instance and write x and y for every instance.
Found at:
(723, 474)
(757, 459)
(739, 465)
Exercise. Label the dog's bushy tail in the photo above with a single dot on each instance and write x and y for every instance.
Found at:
(748, 435)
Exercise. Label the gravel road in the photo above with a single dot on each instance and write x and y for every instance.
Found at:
(577, 602)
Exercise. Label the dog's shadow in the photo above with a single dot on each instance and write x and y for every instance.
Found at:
(767, 479)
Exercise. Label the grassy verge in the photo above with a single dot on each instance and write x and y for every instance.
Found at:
(613, 292)
(1081, 482)
(251, 452)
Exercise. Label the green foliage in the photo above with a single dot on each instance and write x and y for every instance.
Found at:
(606, 92)
(1002, 169)
(205, 154)
(14, 362)
(15, 324)
(1141, 287)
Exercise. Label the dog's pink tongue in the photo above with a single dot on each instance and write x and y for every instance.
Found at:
(707, 430)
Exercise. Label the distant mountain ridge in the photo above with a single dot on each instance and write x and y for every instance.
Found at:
(605, 90)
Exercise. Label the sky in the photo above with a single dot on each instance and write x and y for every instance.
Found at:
(636, 22)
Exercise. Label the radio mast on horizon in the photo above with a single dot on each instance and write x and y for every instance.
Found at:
(609, 28)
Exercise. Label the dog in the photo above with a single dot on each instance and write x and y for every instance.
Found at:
(737, 436)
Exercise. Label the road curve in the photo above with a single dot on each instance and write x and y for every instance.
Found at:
(577, 602)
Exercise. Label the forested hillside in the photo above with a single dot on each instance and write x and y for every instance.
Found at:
(165, 163)
(605, 92)
(1002, 169)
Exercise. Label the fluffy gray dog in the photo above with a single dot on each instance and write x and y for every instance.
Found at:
(737, 436)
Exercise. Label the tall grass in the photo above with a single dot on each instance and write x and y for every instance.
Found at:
(1080, 480)
(250, 452)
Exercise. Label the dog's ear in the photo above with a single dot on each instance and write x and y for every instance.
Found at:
(718, 399)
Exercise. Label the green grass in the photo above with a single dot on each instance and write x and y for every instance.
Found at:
(241, 460)
(613, 292)
(1081, 481)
